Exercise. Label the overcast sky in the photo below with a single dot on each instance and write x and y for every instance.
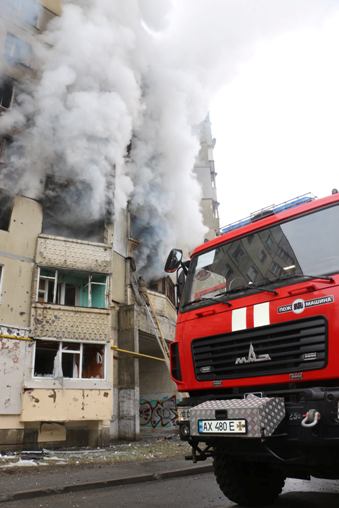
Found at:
(276, 120)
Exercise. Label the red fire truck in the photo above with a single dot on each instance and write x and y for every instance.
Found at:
(257, 349)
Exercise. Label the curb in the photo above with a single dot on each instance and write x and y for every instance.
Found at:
(31, 494)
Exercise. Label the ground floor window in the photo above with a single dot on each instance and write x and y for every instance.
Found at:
(74, 360)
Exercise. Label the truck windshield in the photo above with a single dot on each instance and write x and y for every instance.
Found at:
(308, 245)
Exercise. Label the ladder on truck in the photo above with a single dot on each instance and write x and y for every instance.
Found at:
(152, 317)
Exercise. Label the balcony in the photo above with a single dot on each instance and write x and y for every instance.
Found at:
(70, 323)
(53, 251)
(166, 316)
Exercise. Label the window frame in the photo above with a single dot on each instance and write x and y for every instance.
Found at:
(61, 294)
(80, 352)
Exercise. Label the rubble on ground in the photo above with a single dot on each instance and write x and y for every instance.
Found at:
(145, 450)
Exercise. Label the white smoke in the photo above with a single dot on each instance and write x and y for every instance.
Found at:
(112, 72)
(77, 121)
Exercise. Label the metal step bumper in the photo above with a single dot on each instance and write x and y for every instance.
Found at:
(252, 417)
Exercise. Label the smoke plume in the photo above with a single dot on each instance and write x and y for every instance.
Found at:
(114, 114)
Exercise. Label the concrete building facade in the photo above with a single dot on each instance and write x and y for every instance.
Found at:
(206, 175)
(80, 359)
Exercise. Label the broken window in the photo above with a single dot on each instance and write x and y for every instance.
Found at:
(69, 360)
(75, 289)
(45, 355)
(66, 203)
(93, 365)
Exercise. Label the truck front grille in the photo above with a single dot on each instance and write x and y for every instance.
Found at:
(293, 346)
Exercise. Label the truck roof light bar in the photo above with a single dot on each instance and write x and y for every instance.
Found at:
(267, 211)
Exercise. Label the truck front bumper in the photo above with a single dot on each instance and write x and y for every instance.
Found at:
(250, 417)
(266, 416)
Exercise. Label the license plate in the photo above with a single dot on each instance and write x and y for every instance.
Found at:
(222, 427)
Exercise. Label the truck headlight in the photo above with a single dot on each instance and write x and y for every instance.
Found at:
(183, 414)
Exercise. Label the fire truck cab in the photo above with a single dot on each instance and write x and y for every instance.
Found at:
(257, 349)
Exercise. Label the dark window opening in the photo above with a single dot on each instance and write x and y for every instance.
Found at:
(5, 142)
(6, 207)
(6, 93)
(70, 365)
(215, 207)
(45, 358)
(70, 294)
(165, 286)
(67, 205)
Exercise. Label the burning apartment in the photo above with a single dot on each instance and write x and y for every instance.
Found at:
(85, 316)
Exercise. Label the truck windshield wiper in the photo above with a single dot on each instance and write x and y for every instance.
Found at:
(213, 299)
(326, 278)
(262, 287)
(253, 285)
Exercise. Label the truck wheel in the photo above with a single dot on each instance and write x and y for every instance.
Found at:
(247, 483)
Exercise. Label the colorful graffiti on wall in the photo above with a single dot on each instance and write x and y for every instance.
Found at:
(158, 413)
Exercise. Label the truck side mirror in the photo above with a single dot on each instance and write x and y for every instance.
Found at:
(173, 261)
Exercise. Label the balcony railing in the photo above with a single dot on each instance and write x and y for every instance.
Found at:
(72, 323)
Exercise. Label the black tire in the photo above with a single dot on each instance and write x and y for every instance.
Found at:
(247, 483)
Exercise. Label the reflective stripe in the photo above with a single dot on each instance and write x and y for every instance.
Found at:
(239, 319)
(261, 314)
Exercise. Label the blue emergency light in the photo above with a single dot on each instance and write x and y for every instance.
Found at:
(269, 210)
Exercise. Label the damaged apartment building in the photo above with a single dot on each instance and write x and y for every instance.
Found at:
(82, 358)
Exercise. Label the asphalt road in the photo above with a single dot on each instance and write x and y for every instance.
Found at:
(199, 491)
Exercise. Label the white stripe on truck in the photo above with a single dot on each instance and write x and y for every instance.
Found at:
(261, 314)
(239, 319)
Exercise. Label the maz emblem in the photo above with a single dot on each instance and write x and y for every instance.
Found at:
(252, 357)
